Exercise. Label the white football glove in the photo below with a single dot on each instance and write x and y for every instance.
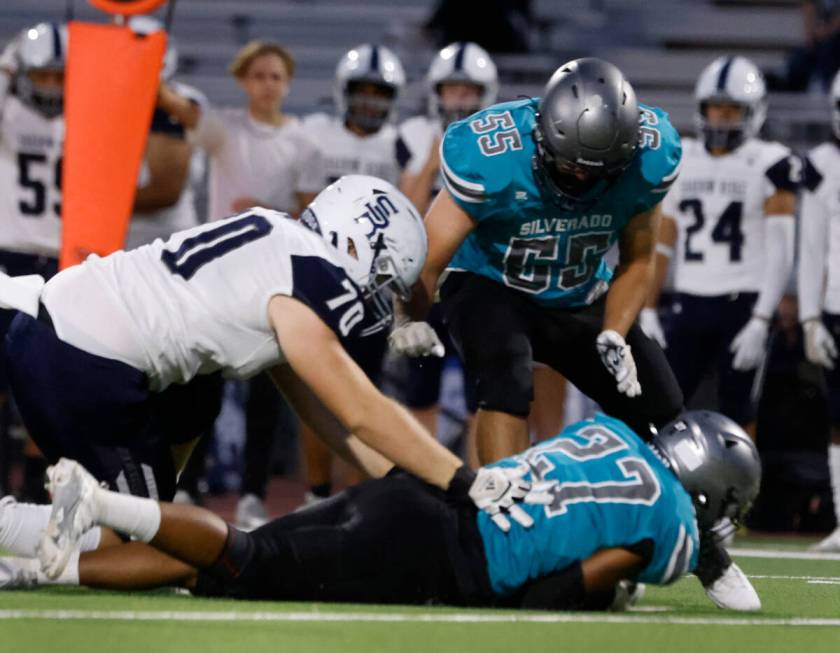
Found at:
(750, 345)
(416, 339)
(627, 594)
(733, 591)
(618, 359)
(649, 321)
(498, 491)
(820, 347)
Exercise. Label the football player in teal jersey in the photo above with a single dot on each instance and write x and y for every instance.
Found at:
(606, 507)
(536, 192)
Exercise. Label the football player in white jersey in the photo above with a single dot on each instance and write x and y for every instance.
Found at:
(729, 224)
(819, 281)
(359, 139)
(95, 354)
(31, 143)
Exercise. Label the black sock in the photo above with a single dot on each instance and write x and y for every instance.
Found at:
(321, 491)
(34, 474)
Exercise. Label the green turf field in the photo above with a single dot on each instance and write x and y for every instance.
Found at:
(801, 614)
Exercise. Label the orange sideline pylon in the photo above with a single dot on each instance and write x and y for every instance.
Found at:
(112, 76)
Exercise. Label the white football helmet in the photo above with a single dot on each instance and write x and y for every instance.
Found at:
(374, 64)
(379, 235)
(42, 47)
(731, 80)
(141, 24)
(461, 62)
(835, 105)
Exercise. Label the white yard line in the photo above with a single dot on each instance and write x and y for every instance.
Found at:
(810, 579)
(782, 553)
(410, 617)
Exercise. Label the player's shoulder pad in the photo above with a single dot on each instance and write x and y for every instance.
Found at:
(469, 174)
(817, 163)
(781, 166)
(190, 92)
(660, 150)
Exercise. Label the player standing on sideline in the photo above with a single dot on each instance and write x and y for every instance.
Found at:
(258, 156)
(536, 193)
(31, 144)
(99, 358)
(613, 509)
(359, 139)
(819, 282)
(729, 220)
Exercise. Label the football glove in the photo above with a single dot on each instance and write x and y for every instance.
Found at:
(618, 359)
(820, 347)
(649, 321)
(498, 491)
(416, 339)
(749, 345)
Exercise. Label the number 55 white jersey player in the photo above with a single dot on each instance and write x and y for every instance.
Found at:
(729, 224)
(115, 337)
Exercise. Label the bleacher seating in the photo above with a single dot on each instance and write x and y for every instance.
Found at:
(660, 44)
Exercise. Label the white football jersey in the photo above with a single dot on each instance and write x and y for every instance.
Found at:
(198, 302)
(820, 232)
(418, 135)
(718, 205)
(30, 180)
(250, 159)
(347, 153)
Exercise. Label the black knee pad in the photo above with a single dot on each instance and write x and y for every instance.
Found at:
(220, 579)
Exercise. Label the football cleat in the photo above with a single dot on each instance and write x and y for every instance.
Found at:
(830, 544)
(17, 573)
(627, 594)
(250, 513)
(73, 491)
(733, 591)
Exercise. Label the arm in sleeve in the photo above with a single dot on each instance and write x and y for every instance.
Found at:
(813, 245)
(779, 239)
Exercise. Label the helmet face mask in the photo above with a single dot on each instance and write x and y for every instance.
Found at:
(368, 81)
(586, 131)
(736, 82)
(468, 66)
(378, 236)
(39, 81)
(716, 462)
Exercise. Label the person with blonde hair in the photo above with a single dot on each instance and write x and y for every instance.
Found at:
(258, 156)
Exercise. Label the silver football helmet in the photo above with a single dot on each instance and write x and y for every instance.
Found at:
(587, 130)
(379, 236)
(716, 462)
(374, 64)
(461, 62)
(835, 105)
(730, 80)
(41, 48)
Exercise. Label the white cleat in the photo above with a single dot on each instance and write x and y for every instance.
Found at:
(250, 513)
(733, 591)
(73, 491)
(18, 573)
(830, 544)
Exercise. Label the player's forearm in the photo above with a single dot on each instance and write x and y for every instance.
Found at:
(185, 111)
(628, 292)
(779, 246)
(813, 242)
(389, 429)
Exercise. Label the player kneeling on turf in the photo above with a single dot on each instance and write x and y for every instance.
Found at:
(606, 507)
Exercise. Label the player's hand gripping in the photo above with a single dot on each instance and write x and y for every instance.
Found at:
(749, 345)
(618, 359)
(820, 347)
(498, 491)
(416, 339)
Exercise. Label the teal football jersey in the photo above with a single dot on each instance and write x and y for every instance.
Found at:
(524, 238)
(610, 490)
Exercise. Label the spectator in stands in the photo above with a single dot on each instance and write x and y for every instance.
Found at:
(819, 59)
(259, 156)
